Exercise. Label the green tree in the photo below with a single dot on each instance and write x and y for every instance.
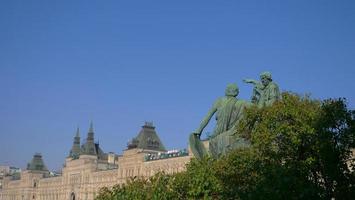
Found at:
(202, 181)
(335, 137)
(239, 173)
(302, 146)
(105, 193)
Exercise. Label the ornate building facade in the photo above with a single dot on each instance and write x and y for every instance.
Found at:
(87, 169)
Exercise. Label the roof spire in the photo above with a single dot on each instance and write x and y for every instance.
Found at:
(77, 132)
(89, 147)
(91, 129)
(75, 150)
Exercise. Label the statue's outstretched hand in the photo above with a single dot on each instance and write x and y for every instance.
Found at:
(249, 81)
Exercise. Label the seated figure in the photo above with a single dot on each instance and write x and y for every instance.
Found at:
(228, 110)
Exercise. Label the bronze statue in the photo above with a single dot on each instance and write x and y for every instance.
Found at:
(265, 92)
(229, 111)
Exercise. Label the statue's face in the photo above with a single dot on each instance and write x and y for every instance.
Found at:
(265, 81)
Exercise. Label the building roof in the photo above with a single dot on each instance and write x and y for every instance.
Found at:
(147, 139)
(90, 147)
(37, 163)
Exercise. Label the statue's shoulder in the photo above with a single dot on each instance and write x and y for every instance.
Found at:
(222, 101)
(273, 85)
(219, 101)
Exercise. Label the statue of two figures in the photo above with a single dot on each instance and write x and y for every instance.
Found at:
(229, 111)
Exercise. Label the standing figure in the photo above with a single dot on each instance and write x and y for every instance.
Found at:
(229, 111)
(265, 92)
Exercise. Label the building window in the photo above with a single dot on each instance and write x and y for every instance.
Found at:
(72, 196)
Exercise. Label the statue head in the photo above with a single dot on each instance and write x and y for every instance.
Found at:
(265, 78)
(232, 90)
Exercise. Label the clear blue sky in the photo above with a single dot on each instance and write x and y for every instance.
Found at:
(120, 63)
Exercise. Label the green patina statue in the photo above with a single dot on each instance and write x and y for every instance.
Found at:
(229, 111)
(265, 92)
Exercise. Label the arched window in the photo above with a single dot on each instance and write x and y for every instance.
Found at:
(72, 196)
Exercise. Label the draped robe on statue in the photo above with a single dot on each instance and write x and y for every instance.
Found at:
(229, 111)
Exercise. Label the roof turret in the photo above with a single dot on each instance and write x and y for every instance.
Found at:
(37, 163)
(75, 150)
(147, 139)
(89, 147)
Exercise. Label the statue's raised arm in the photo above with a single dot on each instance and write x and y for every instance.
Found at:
(252, 81)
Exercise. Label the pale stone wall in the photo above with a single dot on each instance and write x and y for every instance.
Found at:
(169, 166)
(132, 164)
(50, 188)
(84, 177)
(25, 188)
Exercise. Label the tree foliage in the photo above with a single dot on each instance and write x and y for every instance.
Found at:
(300, 149)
